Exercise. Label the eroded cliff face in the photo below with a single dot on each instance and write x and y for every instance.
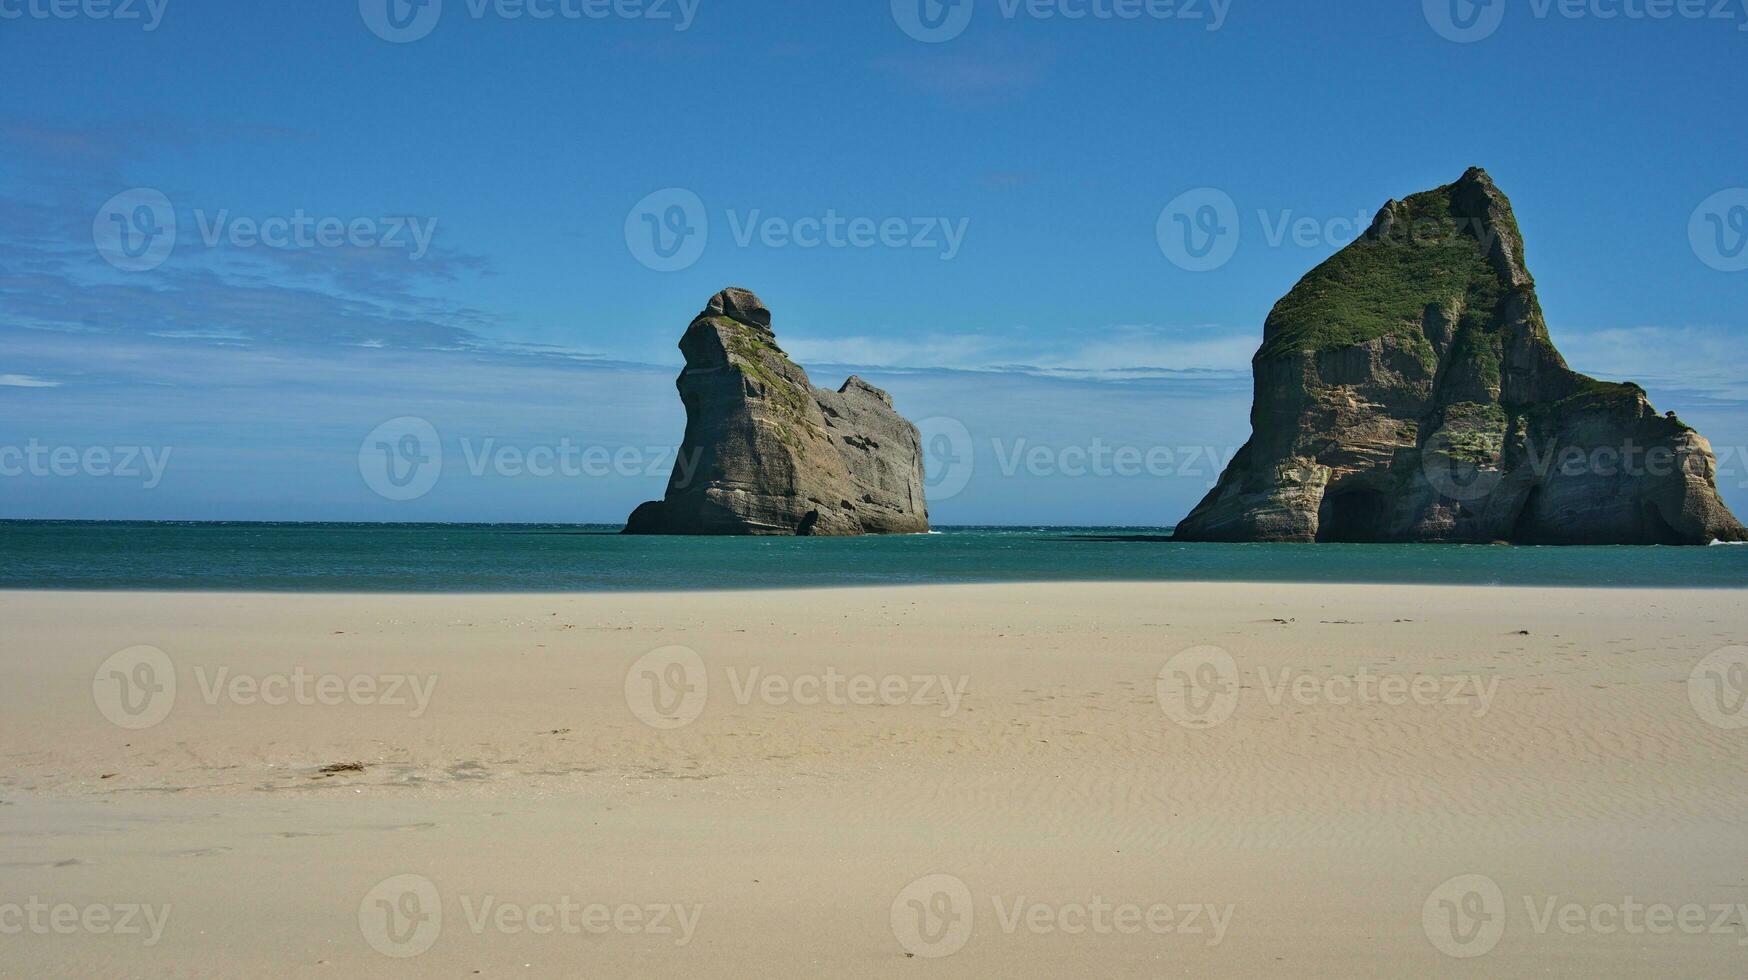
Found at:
(1407, 390)
(765, 452)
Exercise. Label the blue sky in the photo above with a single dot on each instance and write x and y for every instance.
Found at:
(1027, 160)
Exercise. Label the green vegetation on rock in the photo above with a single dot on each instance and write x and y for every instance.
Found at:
(1472, 431)
(1403, 447)
(1384, 283)
(1592, 393)
(750, 349)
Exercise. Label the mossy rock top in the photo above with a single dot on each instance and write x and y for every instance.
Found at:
(1423, 253)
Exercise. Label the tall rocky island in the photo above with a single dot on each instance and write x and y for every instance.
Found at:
(767, 453)
(1407, 390)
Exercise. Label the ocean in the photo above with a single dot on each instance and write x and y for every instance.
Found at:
(565, 558)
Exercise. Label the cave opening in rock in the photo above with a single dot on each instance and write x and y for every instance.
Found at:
(1356, 516)
(1527, 529)
(1657, 529)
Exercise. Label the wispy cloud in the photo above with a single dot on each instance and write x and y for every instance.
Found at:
(111, 146)
(1684, 362)
(200, 302)
(973, 75)
(1124, 352)
(1704, 360)
(52, 277)
(26, 381)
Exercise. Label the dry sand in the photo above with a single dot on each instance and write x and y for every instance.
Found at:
(1051, 808)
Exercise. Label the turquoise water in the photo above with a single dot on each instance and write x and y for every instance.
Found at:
(541, 558)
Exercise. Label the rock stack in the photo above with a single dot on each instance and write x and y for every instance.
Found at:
(765, 452)
(1407, 390)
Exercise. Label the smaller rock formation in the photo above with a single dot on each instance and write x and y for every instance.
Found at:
(765, 452)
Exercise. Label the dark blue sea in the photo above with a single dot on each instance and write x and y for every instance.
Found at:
(564, 558)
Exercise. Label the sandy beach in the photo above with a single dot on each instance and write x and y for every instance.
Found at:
(1022, 780)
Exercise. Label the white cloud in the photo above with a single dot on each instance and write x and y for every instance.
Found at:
(1130, 349)
(26, 381)
(1702, 360)
(1123, 352)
